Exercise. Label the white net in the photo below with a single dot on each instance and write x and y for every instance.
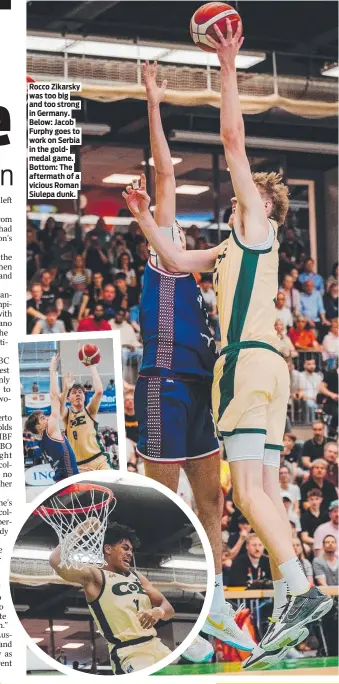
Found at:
(80, 525)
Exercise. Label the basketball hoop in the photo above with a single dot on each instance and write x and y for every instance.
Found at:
(80, 525)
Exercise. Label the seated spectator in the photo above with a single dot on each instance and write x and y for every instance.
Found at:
(314, 448)
(96, 257)
(309, 273)
(283, 313)
(91, 295)
(329, 394)
(303, 339)
(192, 234)
(305, 564)
(312, 517)
(131, 423)
(46, 238)
(285, 345)
(209, 297)
(133, 237)
(35, 387)
(131, 347)
(325, 566)
(331, 302)
(78, 278)
(62, 251)
(201, 243)
(101, 233)
(291, 251)
(35, 307)
(286, 487)
(290, 452)
(331, 458)
(237, 540)
(251, 566)
(333, 278)
(110, 386)
(124, 266)
(121, 247)
(294, 273)
(312, 306)
(330, 345)
(309, 382)
(50, 294)
(88, 386)
(292, 296)
(317, 480)
(33, 254)
(331, 527)
(291, 514)
(49, 324)
(95, 323)
(111, 301)
(127, 294)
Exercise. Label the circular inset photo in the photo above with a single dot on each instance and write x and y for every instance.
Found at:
(111, 575)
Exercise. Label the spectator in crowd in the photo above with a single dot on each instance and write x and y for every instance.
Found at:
(237, 540)
(134, 236)
(111, 301)
(314, 448)
(50, 294)
(92, 294)
(291, 251)
(101, 233)
(325, 566)
(282, 311)
(309, 273)
(35, 387)
(33, 254)
(88, 386)
(291, 452)
(309, 382)
(78, 278)
(121, 247)
(331, 458)
(140, 261)
(329, 393)
(305, 564)
(131, 347)
(294, 273)
(286, 487)
(131, 423)
(285, 344)
(291, 514)
(331, 302)
(331, 527)
(62, 252)
(124, 266)
(251, 566)
(317, 480)
(330, 344)
(333, 278)
(46, 238)
(292, 296)
(312, 306)
(96, 322)
(303, 339)
(49, 325)
(96, 256)
(35, 307)
(312, 517)
(127, 294)
(110, 385)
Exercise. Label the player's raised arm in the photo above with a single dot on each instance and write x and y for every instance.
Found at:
(68, 381)
(250, 208)
(175, 259)
(164, 212)
(161, 610)
(89, 577)
(54, 418)
(94, 404)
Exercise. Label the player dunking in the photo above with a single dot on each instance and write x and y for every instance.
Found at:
(173, 391)
(251, 385)
(124, 604)
(54, 445)
(80, 423)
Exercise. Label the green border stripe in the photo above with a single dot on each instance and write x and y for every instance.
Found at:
(244, 431)
(248, 249)
(242, 295)
(278, 447)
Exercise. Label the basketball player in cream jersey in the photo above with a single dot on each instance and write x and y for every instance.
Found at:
(80, 423)
(123, 603)
(251, 386)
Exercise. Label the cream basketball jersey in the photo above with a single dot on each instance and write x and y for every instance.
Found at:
(82, 434)
(115, 610)
(246, 283)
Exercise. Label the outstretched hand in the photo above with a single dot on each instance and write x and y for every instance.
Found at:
(68, 380)
(227, 47)
(54, 362)
(155, 95)
(137, 199)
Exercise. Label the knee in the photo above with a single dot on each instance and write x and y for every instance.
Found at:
(212, 500)
(241, 498)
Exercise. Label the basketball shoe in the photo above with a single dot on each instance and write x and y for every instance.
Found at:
(299, 611)
(200, 651)
(223, 626)
(263, 660)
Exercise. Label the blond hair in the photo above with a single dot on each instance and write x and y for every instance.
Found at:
(270, 184)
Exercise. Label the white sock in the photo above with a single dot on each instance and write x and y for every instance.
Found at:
(280, 597)
(294, 575)
(218, 601)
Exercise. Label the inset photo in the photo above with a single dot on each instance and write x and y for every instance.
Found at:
(69, 411)
(109, 575)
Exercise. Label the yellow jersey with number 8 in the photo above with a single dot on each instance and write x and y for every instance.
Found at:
(82, 434)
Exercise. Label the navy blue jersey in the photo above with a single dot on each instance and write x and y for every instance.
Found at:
(174, 327)
(60, 455)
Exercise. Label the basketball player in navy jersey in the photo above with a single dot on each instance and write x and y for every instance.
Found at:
(173, 391)
(54, 445)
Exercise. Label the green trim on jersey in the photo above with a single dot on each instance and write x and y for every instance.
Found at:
(277, 447)
(226, 384)
(251, 344)
(244, 431)
(248, 249)
(242, 295)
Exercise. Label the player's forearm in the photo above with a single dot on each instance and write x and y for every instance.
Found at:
(169, 253)
(55, 558)
(167, 611)
(97, 384)
(231, 119)
(159, 146)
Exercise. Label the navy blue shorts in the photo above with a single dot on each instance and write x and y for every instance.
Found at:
(175, 420)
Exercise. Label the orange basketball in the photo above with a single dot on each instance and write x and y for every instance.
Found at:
(89, 354)
(206, 16)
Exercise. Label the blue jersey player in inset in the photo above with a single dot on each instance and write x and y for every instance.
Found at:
(173, 391)
(54, 445)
